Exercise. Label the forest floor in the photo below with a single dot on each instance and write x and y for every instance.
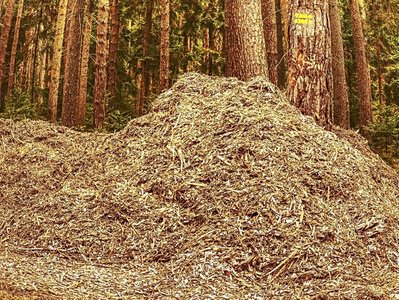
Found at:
(223, 191)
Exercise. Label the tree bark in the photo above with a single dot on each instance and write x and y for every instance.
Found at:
(245, 43)
(363, 69)
(14, 47)
(84, 66)
(56, 62)
(100, 83)
(164, 47)
(270, 34)
(70, 115)
(113, 48)
(309, 59)
(36, 55)
(145, 75)
(280, 47)
(4, 41)
(341, 101)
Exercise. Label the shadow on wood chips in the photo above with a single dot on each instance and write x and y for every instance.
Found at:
(224, 191)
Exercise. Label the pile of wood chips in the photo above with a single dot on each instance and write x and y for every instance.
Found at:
(223, 191)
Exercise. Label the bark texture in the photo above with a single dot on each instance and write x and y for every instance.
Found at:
(280, 46)
(17, 27)
(341, 101)
(245, 43)
(145, 74)
(5, 32)
(270, 33)
(100, 83)
(164, 46)
(113, 49)
(70, 102)
(363, 69)
(309, 59)
(56, 62)
(84, 65)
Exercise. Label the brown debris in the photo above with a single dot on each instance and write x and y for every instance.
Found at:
(224, 191)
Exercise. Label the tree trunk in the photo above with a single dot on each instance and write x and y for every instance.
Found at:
(270, 34)
(363, 70)
(245, 43)
(17, 27)
(280, 47)
(113, 48)
(100, 83)
(35, 56)
(84, 66)
(56, 62)
(4, 41)
(380, 67)
(309, 59)
(164, 47)
(70, 115)
(42, 73)
(341, 101)
(144, 90)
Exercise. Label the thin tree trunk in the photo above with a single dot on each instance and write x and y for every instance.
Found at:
(113, 48)
(35, 56)
(341, 101)
(164, 46)
(144, 90)
(380, 78)
(4, 41)
(70, 115)
(84, 66)
(363, 69)
(280, 47)
(245, 43)
(270, 34)
(100, 84)
(56, 62)
(11, 78)
(309, 59)
(42, 72)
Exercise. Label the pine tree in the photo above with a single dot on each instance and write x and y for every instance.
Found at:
(70, 115)
(100, 84)
(164, 46)
(113, 48)
(5, 32)
(270, 34)
(341, 101)
(245, 43)
(17, 27)
(309, 59)
(363, 69)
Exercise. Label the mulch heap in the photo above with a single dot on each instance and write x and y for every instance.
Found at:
(223, 191)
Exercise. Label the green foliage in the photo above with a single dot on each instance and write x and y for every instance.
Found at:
(117, 120)
(19, 106)
(385, 130)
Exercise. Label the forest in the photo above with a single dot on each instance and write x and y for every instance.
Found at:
(199, 150)
(98, 64)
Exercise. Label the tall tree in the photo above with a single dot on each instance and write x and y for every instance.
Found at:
(164, 46)
(4, 40)
(14, 48)
(36, 52)
(56, 62)
(309, 59)
(245, 43)
(100, 83)
(70, 101)
(84, 65)
(270, 33)
(280, 47)
(113, 48)
(145, 74)
(363, 69)
(341, 101)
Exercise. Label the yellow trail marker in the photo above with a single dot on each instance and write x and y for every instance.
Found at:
(303, 18)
